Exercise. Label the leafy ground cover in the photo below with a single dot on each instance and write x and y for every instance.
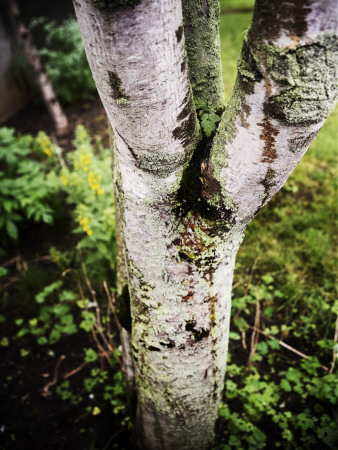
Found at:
(62, 387)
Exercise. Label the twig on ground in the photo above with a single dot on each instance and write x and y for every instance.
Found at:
(112, 438)
(111, 301)
(288, 347)
(11, 261)
(244, 340)
(234, 286)
(249, 283)
(96, 327)
(74, 371)
(45, 391)
(85, 414)
(22, 262)
(9, 283)
(65, 272)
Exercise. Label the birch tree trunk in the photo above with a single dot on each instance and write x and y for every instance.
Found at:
(45, 86)
(185, 195)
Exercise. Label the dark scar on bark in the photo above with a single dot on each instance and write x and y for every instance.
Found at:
(185, 131)
(111, 5)
(115, 84)
(198, 334)
(179, 33)
(154, 349)
(268, 135)
(268, 182)
(170, 344)
(185, 111)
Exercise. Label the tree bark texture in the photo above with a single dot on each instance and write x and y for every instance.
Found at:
(185, 199)
(47, 91)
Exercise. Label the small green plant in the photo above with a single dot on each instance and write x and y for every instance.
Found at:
(253, 404)
(61, 312)
(208, 118)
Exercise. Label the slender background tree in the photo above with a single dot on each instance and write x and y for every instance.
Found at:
(45, 86)
(191, 173)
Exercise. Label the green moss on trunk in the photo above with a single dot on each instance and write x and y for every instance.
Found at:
(201, 29)
(306, 76)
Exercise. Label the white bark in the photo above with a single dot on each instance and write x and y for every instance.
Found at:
(249, 163)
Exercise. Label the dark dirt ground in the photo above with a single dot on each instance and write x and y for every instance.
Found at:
(30, 419)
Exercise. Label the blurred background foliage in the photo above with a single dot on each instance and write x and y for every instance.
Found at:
(65, 60)
(60, 338)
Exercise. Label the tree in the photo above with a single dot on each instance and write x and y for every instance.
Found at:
(191, 173)
(45, 86)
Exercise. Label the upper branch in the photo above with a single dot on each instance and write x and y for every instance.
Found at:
(201, 29)
(285, 89)
(136, 53)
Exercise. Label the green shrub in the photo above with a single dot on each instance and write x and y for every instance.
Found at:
(31, 181)
(28, 181)
(88, 182)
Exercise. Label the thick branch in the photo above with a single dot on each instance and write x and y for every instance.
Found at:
(285, 89)
(136, 54)
(201, 29)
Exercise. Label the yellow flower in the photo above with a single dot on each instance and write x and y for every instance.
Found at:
(100, 191)
(89, 232)
(65, 179)
(85, 160)
(45, 143)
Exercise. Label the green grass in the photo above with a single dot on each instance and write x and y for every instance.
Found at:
(228, 5)
(232, 27)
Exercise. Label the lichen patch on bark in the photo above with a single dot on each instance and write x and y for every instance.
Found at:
(201, 29)
(306, 77)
